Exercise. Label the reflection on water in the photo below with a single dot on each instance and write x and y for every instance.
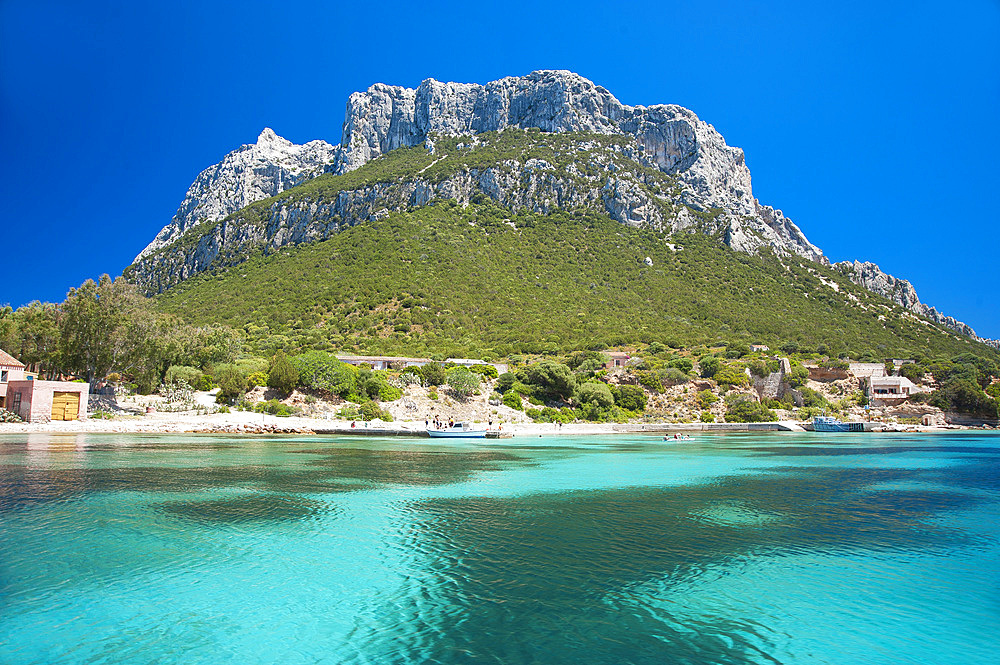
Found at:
(730, 550)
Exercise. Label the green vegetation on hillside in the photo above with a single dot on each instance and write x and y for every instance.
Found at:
(482, 282)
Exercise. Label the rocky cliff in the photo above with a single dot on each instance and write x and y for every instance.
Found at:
(901, 292)
(672, 138)
(712, 176)
(658, 166)
(248, 174)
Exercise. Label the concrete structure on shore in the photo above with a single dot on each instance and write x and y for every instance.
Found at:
(44, 401)
(11, 369)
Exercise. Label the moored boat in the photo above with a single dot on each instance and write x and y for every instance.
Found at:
(457, 431)
(831, 424)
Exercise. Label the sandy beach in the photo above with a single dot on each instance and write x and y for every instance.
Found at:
(244, 422)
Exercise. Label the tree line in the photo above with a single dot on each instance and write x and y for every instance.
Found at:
(108, 328)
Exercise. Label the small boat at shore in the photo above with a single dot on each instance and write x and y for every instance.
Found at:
(831, 424)
(457, 431)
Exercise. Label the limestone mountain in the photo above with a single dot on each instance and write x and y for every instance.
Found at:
(248, 174)
(549, 140)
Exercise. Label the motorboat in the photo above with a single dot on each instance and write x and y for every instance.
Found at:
(831, 424)
(457, 431)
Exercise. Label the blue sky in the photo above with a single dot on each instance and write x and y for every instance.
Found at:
(874, 126)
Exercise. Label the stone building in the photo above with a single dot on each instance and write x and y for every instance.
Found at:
(11, 369)
(44, 401)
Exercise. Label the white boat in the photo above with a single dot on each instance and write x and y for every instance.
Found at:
(457, 431)
(831, 424)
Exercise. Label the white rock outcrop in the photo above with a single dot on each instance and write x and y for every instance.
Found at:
(713, 194)
(248, 174)
(673, 138)
(901, 292)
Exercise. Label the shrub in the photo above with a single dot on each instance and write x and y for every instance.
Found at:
(551, 415)
(811, 397)
(371, 411)
(320, 370)
(463, 381)
(505, 381)
(375, 385)
(707, 417)
(672, 376)
(630, 398)
(9, 416)
(551, 379)
(257, 379)
(706, 398)
(274, 407)
(282, 374)
(249, 365)
(709, 365)
(190, 376)
(411, 378)
(737, 350)
(650, 379)
(744, 409)
(433, 374)
(595, 393)
(912, 371)
(732, 375)
(513, 400)
(232, 383)
(965, 396)
(798, 376)
(488, 371)
(683, 364)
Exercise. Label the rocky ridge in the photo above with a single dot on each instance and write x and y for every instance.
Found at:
(901, 292)
(707, 184)
(250, 173)
(713, 175)
(672, 139)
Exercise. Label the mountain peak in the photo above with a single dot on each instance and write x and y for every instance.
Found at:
(267, 136)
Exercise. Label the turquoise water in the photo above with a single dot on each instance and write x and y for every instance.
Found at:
(846, 548)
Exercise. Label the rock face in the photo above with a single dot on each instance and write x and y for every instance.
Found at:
(250, 173)
(701, 182)
(674, 140)
(901, 292)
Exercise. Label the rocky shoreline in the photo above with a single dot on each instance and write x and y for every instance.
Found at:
(244, 423)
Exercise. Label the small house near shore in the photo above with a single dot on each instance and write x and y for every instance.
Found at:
(384, 362)
(889, 390)
(616, 359)
(893, 386)
(39, 401)
(44, 401)
(754, 348)
(11, 369)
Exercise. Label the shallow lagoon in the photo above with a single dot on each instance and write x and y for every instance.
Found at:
(731, 548)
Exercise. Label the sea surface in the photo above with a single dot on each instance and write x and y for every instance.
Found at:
(736, 548)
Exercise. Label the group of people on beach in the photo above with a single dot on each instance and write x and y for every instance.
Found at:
(437, 422)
